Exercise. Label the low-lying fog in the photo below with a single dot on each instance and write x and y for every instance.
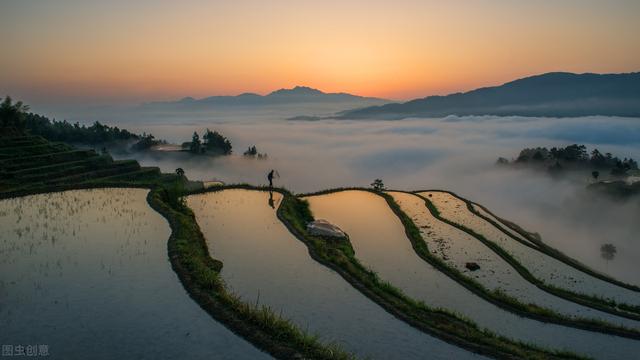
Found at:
(454, 153)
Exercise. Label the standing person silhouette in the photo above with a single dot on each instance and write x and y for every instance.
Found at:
(270, 177)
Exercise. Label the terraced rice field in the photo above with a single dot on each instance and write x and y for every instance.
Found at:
(484, 213)
(265, 264)
(380, 243)
(99, 257)
(458, 248)
(31, 161)
(543, 267)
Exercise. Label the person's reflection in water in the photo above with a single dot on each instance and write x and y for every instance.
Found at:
(271, 202)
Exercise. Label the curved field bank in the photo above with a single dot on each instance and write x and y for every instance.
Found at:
(546, 268)
(534, 239)
(457, 248)
(100, 257)
(266, 265)
(551, 271)
(379, 241)
(512, 232)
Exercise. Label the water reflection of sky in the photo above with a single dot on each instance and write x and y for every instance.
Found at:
(265, 264)
(86, 273)
(379, 242)
(455, 153)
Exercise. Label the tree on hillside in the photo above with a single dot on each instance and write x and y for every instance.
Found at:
(622, 167)
(597, 159)
(196, 145)
(576, 152)
(212, 143)
(573, 157)
(216, 143)
(251, 151)
(377, 185)
(12, 114)
(146, 142)
(502, 161)
(595, 175)
(95, 134)
(608, 251)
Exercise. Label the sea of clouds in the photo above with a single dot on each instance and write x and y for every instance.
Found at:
(453, 153)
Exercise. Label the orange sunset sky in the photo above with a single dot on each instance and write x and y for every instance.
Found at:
(132, 51)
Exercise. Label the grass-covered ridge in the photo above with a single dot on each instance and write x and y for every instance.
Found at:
(534, 238)
(56, 168)
(28, 163)
(199, 274)
(339, 255)
(598, 303)
(497, 297)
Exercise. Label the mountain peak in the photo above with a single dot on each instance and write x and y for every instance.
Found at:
(298, 90)
(295, 95)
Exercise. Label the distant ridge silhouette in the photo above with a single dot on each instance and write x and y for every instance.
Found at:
(296, 95)
(556, 94)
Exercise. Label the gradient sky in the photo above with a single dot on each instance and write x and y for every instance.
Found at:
(101, 51)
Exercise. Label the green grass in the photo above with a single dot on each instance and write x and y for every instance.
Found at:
(546, 249)
(535, 239)
(339, 255)
(200, 275)
(57, 166)
(88, 162)
(47, 168)
(145, 173)
(498, 298)
(595, 302)
(115, 168)
(38, 149)
(24, 141)
(507, 302)
(19, 163)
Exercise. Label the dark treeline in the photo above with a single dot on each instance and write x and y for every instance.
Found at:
(15, 116)
(146, 142)
(97, 133)
(574, 157)
(212, 143)
(12, 115)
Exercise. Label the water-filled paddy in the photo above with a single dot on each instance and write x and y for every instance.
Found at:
(512, 232)
(544, 267)
(86, 273)
(453, 153)
(265, 264)
(457, 248)
(380, 243)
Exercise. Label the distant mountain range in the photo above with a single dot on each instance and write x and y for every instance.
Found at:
(296, 95)
(557, 94)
